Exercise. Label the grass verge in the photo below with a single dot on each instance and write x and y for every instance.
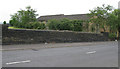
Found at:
(15, 28)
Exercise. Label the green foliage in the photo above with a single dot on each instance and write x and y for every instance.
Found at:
(119, 18)
(35, 25)
(113, 21)
(112, 35)
(41, 26)
(65, 24)
(54, 24)
(77, 25)
(26, 19)
(4, 22)
(38, 25)
(22, 18)
(108, 17)
(100, 15)
(93, 28)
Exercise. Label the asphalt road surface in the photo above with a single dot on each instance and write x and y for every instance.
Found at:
(96, 55)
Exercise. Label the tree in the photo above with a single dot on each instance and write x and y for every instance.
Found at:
(119, 23)
(114, 21)
(4, 22)
(99, 16)
(23, 17)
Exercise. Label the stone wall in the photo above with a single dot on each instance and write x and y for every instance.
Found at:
(18, 36)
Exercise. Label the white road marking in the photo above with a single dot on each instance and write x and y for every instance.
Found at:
(27, 61)
(91, 52)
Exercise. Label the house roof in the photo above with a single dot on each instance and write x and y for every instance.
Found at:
(61, 16)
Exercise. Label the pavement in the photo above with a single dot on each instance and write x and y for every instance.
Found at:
(87, 54)
(48, 45)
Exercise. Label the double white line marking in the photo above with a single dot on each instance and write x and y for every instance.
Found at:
(27, 61)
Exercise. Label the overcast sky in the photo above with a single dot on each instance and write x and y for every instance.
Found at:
(51, 7)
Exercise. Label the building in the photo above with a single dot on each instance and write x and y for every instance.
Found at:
(71, 17)
(45, 19)
(62, 16)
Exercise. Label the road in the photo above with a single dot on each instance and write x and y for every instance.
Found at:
(97, 55)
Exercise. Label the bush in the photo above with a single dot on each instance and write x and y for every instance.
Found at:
(4, 22)
(93, 28)
(54, 24)
(77, 25)
(28, 26)
(35, 25)
(38, 25)
(112, 35)
(41, 26)
(65, 24)
(11, 22)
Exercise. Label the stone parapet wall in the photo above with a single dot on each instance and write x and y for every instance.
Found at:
(19, 36)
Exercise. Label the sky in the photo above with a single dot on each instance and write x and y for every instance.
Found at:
(51, 7)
